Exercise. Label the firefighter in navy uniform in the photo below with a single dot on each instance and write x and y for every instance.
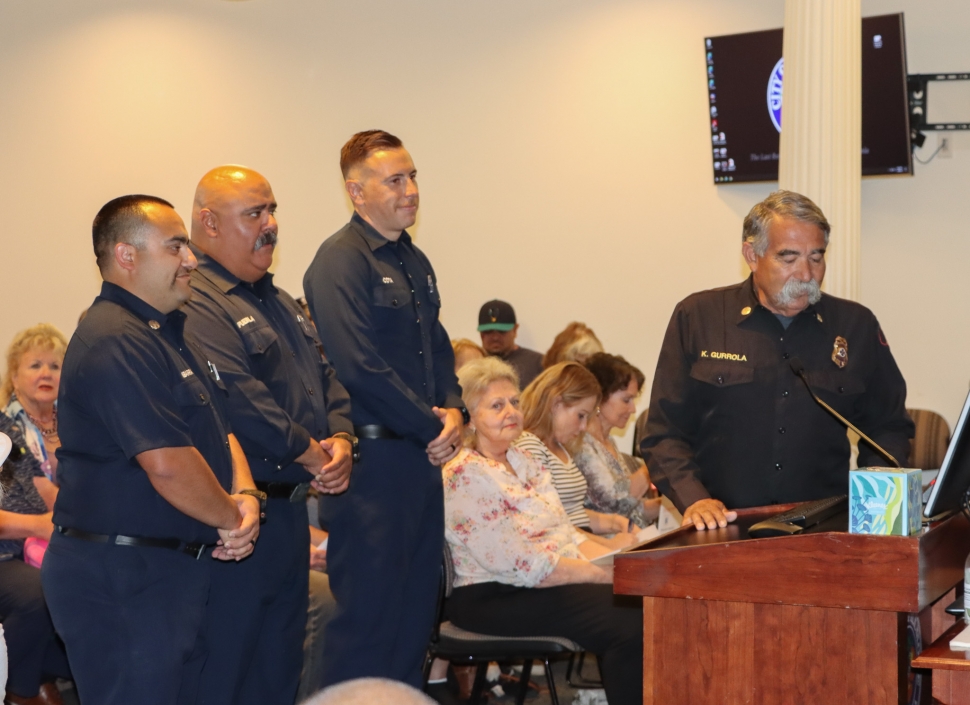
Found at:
(730, 425)
(290, 415)
(146, 467)
(375, 300)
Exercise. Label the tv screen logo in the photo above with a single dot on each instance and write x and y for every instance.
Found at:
(774, 93)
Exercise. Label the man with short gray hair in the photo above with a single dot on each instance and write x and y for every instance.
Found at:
(730, 425)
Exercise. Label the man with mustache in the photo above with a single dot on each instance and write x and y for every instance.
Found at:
(376, 300)
(292, 419)
(730, 425)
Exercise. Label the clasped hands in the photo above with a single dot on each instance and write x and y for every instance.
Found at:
(330, 462)
(448, 443)
(237, 543)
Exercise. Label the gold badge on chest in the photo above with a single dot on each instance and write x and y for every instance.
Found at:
(840, 351)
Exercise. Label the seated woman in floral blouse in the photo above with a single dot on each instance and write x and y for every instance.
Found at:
(521, 567)
(616, 483)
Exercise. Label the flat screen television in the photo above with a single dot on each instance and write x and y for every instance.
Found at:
(744, 79)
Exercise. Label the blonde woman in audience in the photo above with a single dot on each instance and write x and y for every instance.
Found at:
(557, 407)
(466, 351)
(29, 392)
(521, 567)
(575, 343)
(617, 482)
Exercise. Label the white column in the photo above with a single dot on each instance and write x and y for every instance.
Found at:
(821, 136)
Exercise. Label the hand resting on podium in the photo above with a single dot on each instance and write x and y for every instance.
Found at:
(708, 514)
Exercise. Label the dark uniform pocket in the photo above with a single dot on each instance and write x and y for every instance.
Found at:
(836, 382)
(191, 392)
(220, 385)
(721, 374)
(258, 340)
(841, 391)
(389, 296)
(307, 327)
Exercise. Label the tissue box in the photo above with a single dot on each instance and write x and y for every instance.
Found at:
(885, 501)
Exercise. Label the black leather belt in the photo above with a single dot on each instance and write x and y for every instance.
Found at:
(196, 550)
(374, 431)
(284, 490)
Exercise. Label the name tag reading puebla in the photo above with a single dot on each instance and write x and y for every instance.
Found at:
(734, 357)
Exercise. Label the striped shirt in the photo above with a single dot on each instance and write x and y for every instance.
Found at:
(569, 481)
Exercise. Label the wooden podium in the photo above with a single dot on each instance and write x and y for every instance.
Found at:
(812, 618)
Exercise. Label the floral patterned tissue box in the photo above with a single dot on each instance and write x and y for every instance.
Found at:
(885, 501)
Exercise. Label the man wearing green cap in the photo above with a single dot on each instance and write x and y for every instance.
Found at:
(497, 325)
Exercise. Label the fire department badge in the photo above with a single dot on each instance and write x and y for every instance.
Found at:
(840, 352)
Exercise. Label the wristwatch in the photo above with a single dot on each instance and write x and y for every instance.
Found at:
(465, 416)
(261, 496)
(354, 445)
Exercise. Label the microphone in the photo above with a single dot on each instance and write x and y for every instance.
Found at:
(799, 369)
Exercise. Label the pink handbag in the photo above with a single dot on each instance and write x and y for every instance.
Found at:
(34, 549)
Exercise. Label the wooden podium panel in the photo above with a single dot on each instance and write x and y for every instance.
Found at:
(706, 651)
(813, 618)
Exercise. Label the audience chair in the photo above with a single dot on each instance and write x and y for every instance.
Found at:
(929, 444)
(454, 644)
(576, 661)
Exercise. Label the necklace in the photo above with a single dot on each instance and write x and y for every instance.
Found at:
(45, 432)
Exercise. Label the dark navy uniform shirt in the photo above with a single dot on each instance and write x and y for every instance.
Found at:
(729, 419)
(376, 304)
(282, 392)
(131, 383)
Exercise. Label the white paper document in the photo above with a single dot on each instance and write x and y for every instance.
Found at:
(961, 642)
(644, 534)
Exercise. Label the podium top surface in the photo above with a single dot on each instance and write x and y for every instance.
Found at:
(823, 568)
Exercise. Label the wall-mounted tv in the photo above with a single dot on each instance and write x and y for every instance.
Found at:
(744, 79)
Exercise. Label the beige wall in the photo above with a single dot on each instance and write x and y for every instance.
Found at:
(562, 149)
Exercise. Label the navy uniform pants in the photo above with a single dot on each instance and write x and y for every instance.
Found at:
(255, 628)
(319, 613)
(34, 653)
(384, 561)
(131, 619)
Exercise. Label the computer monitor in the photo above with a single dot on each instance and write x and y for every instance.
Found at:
(954, 478)
(744, 80)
